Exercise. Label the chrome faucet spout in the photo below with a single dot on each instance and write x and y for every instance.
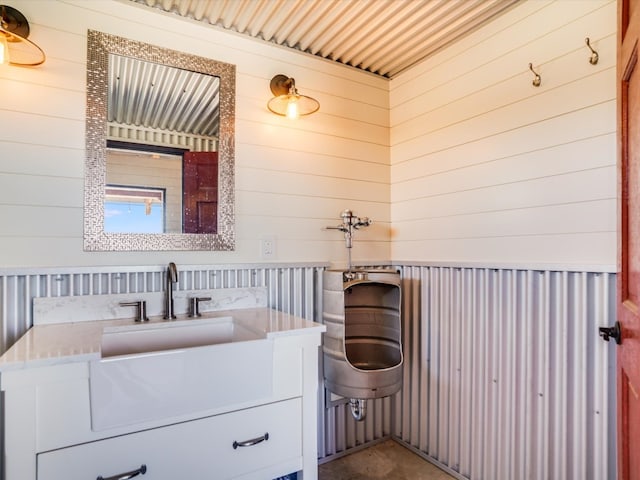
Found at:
(172, 279)
(172, 273)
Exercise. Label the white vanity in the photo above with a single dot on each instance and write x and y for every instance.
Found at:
(233, 394)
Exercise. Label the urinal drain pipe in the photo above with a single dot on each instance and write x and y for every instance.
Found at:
(358, 408)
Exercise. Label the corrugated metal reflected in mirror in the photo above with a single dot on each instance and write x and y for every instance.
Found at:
(163, 98)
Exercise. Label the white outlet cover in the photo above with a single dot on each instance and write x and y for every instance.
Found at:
(267, 246)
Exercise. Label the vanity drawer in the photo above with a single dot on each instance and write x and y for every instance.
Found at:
(197, 449)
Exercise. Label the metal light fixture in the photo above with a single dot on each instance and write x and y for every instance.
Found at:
(15, 49)
(287, 101)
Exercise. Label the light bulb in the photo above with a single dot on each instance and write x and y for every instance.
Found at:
(292, 108)
(4, 50)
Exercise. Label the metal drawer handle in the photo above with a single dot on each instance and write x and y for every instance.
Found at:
(250, 443)
(127, 475)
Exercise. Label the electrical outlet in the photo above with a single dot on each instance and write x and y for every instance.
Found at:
(267, 246)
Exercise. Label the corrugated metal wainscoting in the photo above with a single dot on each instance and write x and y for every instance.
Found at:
(291, 288)
(505, 375)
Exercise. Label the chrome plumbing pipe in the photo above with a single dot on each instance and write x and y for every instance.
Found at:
(358, 407)
(350, 223)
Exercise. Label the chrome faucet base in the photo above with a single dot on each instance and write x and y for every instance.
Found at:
(141, 309)
(194, 305)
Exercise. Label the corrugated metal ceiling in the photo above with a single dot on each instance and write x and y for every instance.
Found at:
(162, 97)
(384, 37)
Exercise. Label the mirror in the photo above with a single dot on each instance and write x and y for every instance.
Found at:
(159, 172)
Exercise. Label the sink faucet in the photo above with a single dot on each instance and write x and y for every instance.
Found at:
(172, 278)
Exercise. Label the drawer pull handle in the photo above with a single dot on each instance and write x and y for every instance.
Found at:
(127, 475)
(250, 443)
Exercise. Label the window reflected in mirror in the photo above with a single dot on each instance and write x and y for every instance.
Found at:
(160, 190)
(134, 209)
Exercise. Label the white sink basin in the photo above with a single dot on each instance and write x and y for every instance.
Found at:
(160, 370)
(179, 334)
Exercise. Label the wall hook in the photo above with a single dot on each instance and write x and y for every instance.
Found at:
(594, 55)
(537, 80)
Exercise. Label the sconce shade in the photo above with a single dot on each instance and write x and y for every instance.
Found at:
(287, 101)
(14, 30)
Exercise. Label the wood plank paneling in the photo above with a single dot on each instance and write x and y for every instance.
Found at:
(482, 162)
(533, 28)
(296, 184)
(566, 129)
(578, 248)
(310, 163)
(303, 206)
(519, 196)
(293, 137)
(479, 115)
(44, 160)
(578, 155)
(338, 158)
(40, 190)
(33, 221)
(465, 131)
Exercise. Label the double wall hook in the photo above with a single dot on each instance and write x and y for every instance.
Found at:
(537, 80)
(593, 60)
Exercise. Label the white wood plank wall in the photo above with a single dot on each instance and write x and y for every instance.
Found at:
(292, 178)
(486, 167)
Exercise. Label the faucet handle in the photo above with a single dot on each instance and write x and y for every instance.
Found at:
(194, 305)
(141, 309)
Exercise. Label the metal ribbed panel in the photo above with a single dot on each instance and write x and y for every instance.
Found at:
(291, 289)
(506, 376)
(143, 94)
(148, 136)
(380, 36)
(342, 433)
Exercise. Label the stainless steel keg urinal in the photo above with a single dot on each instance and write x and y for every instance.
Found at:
(362, 347)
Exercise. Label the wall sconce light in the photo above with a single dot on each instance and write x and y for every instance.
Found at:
(287, 101)
(15, 49)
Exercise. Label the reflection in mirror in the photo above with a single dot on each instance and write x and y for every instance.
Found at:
(143, 189)
(160, 156)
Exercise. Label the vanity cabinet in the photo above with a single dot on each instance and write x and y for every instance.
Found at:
(204, 448)
(49, 435)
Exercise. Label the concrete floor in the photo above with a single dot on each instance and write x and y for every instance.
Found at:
(387, 460)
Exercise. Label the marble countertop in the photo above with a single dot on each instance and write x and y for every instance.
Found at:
(54, 344)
